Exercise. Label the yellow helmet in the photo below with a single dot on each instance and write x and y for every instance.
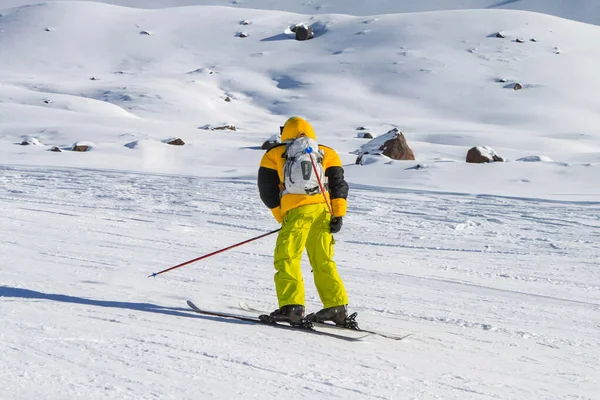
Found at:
(296, 126)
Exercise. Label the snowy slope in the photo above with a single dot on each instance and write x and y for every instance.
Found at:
(501, 295)
(397, 70)
(579, 10)
(492, 268)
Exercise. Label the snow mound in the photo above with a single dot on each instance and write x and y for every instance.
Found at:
(535, 159)
(579, 10)
(30, 140)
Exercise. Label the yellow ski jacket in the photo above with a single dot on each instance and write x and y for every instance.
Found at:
(270, 175)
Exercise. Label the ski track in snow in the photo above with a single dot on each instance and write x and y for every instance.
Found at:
(501, 295)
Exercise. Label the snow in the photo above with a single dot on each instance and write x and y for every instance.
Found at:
(493, 268)
(535, 159)
(579, 10)
(487, 152)
(28, 140)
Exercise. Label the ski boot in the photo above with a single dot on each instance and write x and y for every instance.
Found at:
(293, 314)
(338, 315)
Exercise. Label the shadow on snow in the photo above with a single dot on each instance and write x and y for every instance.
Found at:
(19, 293)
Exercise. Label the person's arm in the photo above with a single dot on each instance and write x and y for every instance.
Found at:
(268, 185)
(338, 188)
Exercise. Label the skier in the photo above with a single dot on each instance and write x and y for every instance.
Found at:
(290, 179)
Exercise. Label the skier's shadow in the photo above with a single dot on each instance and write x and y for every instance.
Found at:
(19, 293)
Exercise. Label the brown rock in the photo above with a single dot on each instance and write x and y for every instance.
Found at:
(80, 147)
(397, 148)
(176, 142)
(518, 86)
(227, 127)
(483, 154)
(224, 127)
(304, 33)
(392, 144)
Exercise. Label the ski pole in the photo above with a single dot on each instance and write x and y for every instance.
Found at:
(309, 150)
(214, 252)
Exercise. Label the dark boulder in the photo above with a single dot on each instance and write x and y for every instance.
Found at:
(392, 144)
(176, 142)
(483, 154)
(304, 32)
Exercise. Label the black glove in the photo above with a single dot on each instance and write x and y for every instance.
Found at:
(335, 224)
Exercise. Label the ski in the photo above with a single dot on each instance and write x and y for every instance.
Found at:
(256, 320)
(246, 307)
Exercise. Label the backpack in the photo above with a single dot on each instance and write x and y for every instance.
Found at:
(298, 172)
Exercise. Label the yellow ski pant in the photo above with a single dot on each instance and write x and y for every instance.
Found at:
(307, 227)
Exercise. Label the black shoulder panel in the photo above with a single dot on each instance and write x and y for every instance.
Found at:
(268, 186)
(338, 188)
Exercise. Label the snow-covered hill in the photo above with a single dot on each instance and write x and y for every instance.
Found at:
(493, 268)
(113, 76)
(579, 10)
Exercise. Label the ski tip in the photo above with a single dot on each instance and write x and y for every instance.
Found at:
(153, 275)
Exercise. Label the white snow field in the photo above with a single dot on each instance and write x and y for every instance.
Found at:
(493, 268)
(580, 10)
